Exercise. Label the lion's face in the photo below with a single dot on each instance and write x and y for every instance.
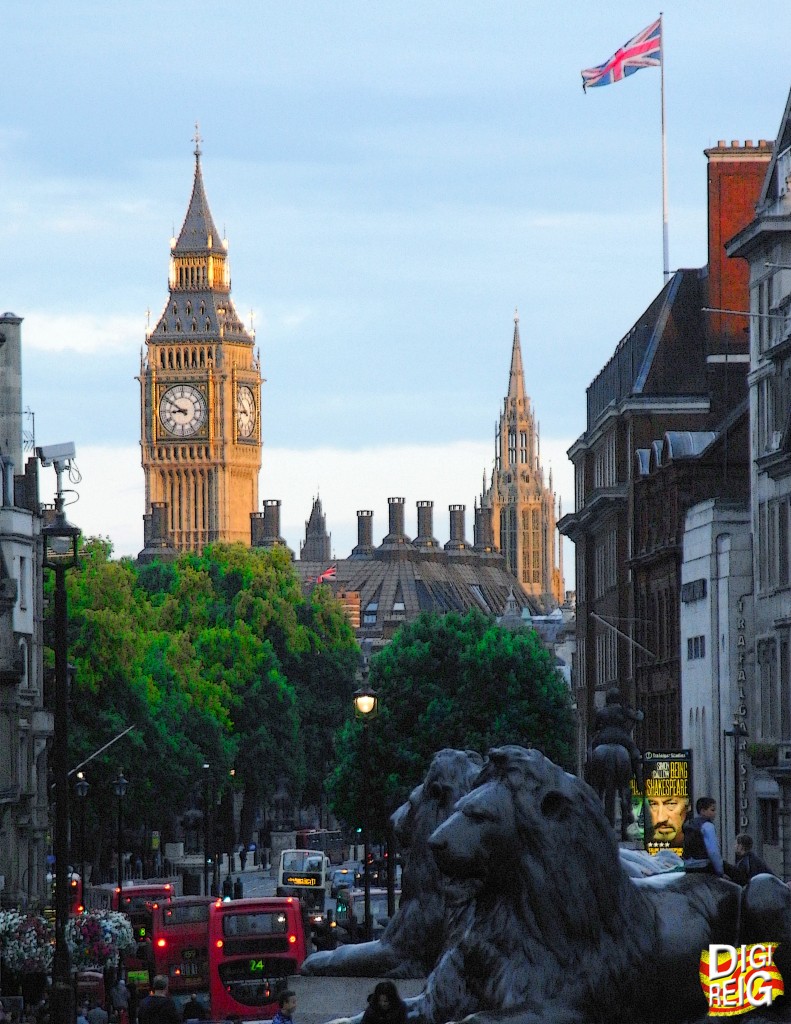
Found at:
(481, 830)
(452, 773)
(522, 802)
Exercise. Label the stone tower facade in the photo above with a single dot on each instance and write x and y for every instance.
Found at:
(200, 386)
(523, 518)
(318, 543)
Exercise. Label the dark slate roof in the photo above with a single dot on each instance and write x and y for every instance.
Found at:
(439, 582)
(198, 232)
(200, 316)
(674, 320)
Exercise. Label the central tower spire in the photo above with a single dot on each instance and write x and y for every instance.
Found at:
(523, 506)
(516, 380)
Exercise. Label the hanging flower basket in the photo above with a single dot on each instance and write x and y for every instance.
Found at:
(26, 943)
(97, 938)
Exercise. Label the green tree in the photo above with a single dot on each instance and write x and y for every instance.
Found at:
(448, 681)
(214, 657)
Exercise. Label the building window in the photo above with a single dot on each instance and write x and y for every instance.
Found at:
(769, 817)
(369, 615)
(696, 647)
(579, 485)
(605, 565)
(765, 321)
(579, 573)
(606, 658)
(24, 582)
(770, 703)
(523, 447)
(785, 685)
(604, 463)
(511, 447)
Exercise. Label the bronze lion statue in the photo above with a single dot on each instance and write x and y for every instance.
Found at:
(557, 932)
(413, 940)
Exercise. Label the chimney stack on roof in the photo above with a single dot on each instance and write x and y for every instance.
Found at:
(396, 536)
(457, 541)
(425, 526)
(365, 534)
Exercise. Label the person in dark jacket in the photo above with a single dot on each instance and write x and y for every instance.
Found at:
(748, 863)
(701, 849)
(385, 1005)
(158, 1008)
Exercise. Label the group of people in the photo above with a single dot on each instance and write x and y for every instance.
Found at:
(385, 1006)
(156, 1008)
(670, 822)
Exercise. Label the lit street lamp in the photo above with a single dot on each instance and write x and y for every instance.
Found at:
(366, 705)
(120, 791)
(61, 541)
(81, 789)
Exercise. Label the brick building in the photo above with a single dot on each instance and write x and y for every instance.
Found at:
(679, 368)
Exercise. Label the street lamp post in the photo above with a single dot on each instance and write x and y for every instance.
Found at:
(60, 553)
(81, 789)
(366, 706)
(206, 769)
(738, 732)
(120, 791)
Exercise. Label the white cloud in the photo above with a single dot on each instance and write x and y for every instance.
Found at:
(83, 332)
(112, 492)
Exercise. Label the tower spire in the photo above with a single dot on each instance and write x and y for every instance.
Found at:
(516, 380)
(196, 138)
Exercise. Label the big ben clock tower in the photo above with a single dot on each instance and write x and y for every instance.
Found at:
(200, 385)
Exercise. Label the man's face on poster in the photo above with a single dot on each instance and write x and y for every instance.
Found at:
(667, 817)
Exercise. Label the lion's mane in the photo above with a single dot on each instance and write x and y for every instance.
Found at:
(415, 937)
(558, 930)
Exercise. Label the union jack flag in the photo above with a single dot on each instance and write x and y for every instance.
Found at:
(323, 577)
(643, 51)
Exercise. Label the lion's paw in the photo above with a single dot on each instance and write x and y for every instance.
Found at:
(316, 964)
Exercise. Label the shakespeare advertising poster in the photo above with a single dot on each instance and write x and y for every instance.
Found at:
(664, 806)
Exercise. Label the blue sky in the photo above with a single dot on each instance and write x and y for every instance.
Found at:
(393, 180)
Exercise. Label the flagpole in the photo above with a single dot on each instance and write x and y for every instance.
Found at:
(665, 256)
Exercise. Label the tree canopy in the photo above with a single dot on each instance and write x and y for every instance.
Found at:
(215, 658)
(448, 681)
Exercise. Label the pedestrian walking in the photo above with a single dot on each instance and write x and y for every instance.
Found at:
(385, 1005)
(119, 1000)
(158, 1008)
(748, 863)
(97, 1014)
(243, 856)
(701, 849)
(287, 1003)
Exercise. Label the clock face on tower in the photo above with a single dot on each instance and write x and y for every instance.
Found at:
(182, 410)
(245, 411)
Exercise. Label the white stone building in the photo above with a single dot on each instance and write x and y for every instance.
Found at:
(766, 245)
(25, 724)
(717, 672)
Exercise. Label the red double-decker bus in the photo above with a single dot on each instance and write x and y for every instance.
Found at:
(180, 944)
(255, 945)
(137, 900)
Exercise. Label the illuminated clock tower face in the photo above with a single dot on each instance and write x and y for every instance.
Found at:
(182, 410)
(245, 411)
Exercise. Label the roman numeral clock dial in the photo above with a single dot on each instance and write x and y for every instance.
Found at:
(182, 410)
(245, 412)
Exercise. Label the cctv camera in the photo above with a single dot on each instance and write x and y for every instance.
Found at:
(51, 453)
